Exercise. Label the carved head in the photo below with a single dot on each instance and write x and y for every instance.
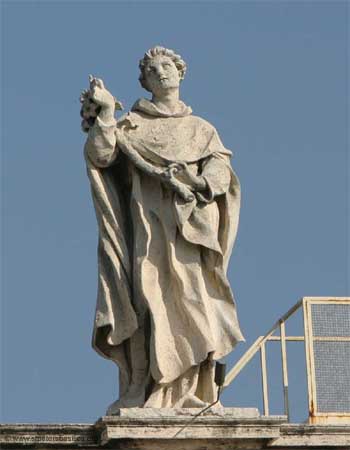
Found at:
(161, 69)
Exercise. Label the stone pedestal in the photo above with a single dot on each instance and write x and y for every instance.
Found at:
(180, 429)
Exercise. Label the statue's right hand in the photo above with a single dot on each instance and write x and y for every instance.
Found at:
(100, 95)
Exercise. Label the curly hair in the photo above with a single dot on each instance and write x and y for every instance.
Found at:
(155, 51)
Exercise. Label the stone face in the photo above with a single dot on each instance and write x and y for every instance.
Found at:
(167, 205)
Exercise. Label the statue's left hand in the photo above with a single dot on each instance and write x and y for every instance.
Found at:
(196, 182)
(167, 176)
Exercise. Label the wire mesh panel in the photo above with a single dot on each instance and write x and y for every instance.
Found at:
(330, 320)
(328, 339)
(332, 368)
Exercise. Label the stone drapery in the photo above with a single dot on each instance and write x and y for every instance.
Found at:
(165, 309)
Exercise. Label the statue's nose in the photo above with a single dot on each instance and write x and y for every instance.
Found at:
(160, 71)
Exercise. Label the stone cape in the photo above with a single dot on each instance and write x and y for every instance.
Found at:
(160, 256)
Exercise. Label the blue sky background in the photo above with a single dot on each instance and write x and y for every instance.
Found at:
(270, 76)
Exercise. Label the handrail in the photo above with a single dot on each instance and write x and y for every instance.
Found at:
(253, 349)
(315, 414)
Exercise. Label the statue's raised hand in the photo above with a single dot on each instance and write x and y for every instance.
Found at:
(101, 96)
(97, 101)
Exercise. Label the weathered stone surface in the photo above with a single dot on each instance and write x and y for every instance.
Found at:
(313, 436)
(182, 429)
(168, 433)
(63, 436)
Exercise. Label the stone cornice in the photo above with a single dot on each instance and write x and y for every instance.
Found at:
(160, 433)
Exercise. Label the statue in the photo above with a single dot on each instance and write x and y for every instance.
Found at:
(167, 205)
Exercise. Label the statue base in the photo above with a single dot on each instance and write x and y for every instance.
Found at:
(171, 429)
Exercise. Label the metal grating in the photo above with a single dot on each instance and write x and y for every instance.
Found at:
(331, 356)
(332, 373)
(330, 320)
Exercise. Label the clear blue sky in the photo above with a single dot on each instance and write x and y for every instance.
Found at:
(271, 77)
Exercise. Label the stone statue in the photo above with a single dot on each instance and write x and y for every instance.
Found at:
(167, 205)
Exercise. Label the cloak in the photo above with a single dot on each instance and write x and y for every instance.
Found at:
(157, 254)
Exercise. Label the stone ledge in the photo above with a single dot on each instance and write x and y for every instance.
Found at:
(311, 436)
(160, 433)
(64, 436)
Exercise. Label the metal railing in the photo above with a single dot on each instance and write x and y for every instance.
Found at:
(260, 346)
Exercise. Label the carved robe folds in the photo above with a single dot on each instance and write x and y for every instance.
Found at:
(165, 309)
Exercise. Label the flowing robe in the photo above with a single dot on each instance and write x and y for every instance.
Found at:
(165, 309)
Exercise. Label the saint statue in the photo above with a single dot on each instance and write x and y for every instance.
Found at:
(167, 205)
